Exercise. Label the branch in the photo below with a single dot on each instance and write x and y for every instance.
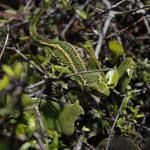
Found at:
(105, 28)
(43, 131)
(72, 20)
(6, 41)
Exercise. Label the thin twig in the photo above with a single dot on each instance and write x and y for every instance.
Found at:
(38, 117)
(67, 27)
(43, 131)
(145, 19)
(123, 12)
(78, 144)
(35, 85)
(116, 31)
(113, 126)
(105, 28)
(72, 20)
(124, 29)
(110, 15)
(6, 41)
(117, 4)
(28, 60)
(107, 3)
(126, 98)
(2, 28)
(28, 6)
(39, 141)
(147, 24)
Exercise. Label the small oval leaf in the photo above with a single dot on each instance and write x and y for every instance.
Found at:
(7, 69)
(116, 47)
(112, 78)
(126, 66)
(68, 116)
(4, 82)
(18, 69)
(125, 71)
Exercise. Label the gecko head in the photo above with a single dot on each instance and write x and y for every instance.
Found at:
(100, 88)
(97, 83)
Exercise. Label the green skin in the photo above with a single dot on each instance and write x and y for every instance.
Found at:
(68, 56)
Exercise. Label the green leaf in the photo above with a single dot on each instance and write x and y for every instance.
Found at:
(120, 122)
(93, 62)
(68, 117)
(11, 11)
(85, 129)
(54, 145)
(82, 14)
(18, 69)
(50, 112)
(4, 82)
(7, 69)
(29, 145)
(147, 2)
(125, 102)
(145, 76)
(4, 145)
(21, 129)
(125, 71)
(65, 2)
(140, 115)
(128, 63)
(47, 2)
(60, 119)
(24, 38)
(112, 77)
(27, 101)
(27, 125)
(116, 47)
(30, 121)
